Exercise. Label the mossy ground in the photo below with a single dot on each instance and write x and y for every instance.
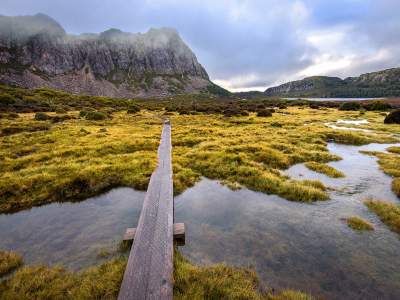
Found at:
(387, 212)
(103, 282)
(75, 158)
(359, 224)
(251, 152)
(9, 261)
(324, 169)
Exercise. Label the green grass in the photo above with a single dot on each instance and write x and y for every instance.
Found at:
(387, 212)
(103, 282)
(9, 261)
(359, 224)
(324, 169)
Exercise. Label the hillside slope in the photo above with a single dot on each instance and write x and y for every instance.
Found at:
(377, 84)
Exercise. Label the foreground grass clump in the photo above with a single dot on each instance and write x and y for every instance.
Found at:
(324, 169)
(75, 159)
(9, 261)
(104, 281)
(221, 282)
(387, 212)
(359, 224)
(40, 282)
(394, 149)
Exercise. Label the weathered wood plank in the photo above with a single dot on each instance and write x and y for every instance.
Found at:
(179, 233)
(148, 274)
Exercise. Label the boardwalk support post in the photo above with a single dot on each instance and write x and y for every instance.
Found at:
(179, 234)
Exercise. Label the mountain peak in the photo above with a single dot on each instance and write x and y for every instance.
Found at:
(35, 51)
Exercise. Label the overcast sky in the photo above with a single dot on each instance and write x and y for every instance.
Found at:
(254, 44)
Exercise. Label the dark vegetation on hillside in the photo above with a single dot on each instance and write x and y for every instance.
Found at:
(15, 100)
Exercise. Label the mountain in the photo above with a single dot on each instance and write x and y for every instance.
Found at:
(377, 84)
(35, 51)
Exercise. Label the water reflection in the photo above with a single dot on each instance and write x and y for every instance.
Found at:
(297, 245)
(72, 234)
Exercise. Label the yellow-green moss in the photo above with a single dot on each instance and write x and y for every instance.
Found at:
(103, 282)
(394, 149)
(76, 158)
(9, 261)
(359, 224)
(387, 212)
(324, 169)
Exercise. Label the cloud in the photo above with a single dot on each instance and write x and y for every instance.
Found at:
(250, 44)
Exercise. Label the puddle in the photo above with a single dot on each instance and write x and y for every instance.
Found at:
(349, 122)
(352, 122)
(290, 244)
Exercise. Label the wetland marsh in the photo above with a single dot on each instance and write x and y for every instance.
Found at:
(252, 191)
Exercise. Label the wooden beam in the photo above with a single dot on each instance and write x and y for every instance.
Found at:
(179, 234)
(148, 274)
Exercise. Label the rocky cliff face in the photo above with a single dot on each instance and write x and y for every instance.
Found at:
(35, 51)
(377, 84)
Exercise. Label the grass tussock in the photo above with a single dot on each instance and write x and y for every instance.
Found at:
(324, 169)
(387, 212)
(41, 282)
(394, 149)
(359, 224)
(103, 282)
(9, 261)
(74, 158)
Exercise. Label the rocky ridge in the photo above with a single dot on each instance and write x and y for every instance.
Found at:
(35, 51)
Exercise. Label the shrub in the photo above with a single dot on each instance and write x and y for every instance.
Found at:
(282, 106)
(83, 113)
(7, 99)
(40, 116)
(95, 116)
(264, 113)
(378, 105)
(350, 106)
(12, 115)
(133, 109)
(232, 112)
(393, 117)
(314, 106)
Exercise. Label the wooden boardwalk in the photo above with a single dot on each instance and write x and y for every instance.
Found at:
(148, 274)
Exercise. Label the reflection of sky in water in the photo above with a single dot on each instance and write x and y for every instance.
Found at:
(301, 246)
(71, 233)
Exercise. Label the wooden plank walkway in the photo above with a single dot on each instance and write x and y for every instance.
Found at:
(148, 274)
